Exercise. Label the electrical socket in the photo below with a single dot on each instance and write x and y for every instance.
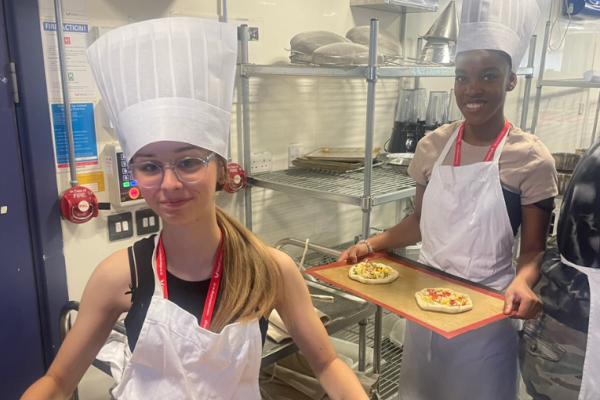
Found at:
(295, 150)
(262, 162)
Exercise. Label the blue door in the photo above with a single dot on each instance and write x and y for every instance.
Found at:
(21, 350)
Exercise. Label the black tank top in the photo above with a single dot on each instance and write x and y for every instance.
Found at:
(190, 296)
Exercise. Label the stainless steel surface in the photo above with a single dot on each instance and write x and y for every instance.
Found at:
(311, 246)
(566, 161)
(438, 51)
(563, 182)
(446, 26)
(346, 188)
(319, 297)
(366, 205)
(362, 345)
(244, 35)
(402, 36)
(419, 50)
(528, 82)
(345, 312)
(65, 91)
(538, 95)
(570, 83)
(377, 340)
(386, 72)
(596, 121)
(400, 6)
(225, 11)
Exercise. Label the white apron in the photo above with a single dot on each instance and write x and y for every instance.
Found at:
(174, 358)
(466, 232)
(590, 381)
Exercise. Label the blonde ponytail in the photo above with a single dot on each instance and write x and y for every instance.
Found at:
(250, 279)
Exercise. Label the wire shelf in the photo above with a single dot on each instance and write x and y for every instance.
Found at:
(391, 354)
(384, 72)
(387, 184)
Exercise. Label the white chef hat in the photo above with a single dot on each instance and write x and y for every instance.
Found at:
(504, 25)
(168, 79)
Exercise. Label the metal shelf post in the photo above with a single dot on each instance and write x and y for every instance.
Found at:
(243, 33)
(60, 37)
(538, 95)
(366, 206)
(528, 82)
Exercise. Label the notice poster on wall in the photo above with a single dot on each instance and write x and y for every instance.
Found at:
(84, 135)
(71, 9)
(79, 72)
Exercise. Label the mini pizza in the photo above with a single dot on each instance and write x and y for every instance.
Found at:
(443, 300)
(372, 273)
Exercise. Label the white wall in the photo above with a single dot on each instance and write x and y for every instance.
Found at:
(315, 112)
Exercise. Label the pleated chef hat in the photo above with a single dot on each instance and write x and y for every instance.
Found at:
(168, 79)
(504, 25)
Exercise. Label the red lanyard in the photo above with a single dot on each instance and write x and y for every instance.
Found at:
(215, 280)
(491, 151)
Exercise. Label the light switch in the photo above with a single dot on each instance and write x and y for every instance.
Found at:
(119, 226)
(146, 222)
(3, 209)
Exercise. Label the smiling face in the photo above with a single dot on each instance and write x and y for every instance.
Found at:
(177, 202)
(482, 79)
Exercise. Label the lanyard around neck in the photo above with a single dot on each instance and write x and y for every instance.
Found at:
(491, 151)
(213, 290)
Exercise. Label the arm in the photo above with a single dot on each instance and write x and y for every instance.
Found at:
(103, 301)
(307, 330)
(406, 233)
(519, 296)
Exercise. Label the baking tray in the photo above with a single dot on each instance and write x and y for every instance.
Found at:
(399, 296)
(349, 154)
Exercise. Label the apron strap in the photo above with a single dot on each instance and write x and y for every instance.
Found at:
(449, 144)
(157, 287)
(452, 140)
(498, 151)
(590, 386)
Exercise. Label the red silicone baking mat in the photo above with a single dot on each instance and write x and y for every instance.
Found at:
(399, 296)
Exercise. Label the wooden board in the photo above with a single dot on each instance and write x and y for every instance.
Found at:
(399, 296)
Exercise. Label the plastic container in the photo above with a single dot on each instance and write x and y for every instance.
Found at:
(350, 350)
(397, 333)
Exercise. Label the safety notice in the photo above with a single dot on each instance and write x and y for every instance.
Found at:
(84, 134)
(79, 72)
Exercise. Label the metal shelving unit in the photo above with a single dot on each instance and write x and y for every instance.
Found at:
(388, 185)
(566, 83)
(383, 72)
(368, 188)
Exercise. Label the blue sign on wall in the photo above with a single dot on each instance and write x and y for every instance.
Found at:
(84, 134)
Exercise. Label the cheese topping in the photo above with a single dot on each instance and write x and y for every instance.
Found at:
(445, 297)
(371, 270)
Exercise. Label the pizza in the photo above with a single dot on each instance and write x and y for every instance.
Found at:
(372, 273)
(443, 300)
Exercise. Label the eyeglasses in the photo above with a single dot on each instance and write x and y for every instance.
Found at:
(188, 170)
